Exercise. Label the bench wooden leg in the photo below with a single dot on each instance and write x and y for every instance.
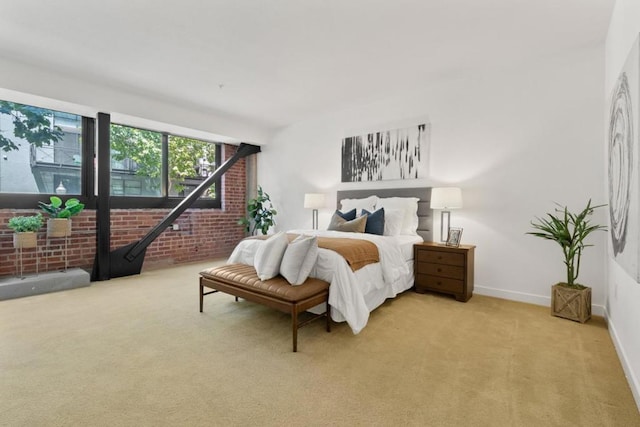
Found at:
(328, 314)
(294, 327)
(203, 293)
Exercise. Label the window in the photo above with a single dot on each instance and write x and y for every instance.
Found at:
(138, 163)
(44, 152)
(191, 161)
(41, 150)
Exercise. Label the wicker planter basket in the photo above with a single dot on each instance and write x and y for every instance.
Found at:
(570, 303)
(58, 227)
(25, 240)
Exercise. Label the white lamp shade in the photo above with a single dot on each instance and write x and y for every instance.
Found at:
(446, 198)
(314, 201)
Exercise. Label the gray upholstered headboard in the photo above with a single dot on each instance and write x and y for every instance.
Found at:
(425, 213)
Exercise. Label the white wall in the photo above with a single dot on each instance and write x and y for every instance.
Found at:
(515, 140)
(26, 84)
(623, 293)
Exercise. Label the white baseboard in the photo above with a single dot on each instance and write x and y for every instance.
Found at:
(544, 301)
(634, 384)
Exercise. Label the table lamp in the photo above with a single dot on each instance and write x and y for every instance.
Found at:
(445, 198)
(314, 201)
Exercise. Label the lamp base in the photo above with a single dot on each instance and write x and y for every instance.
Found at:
(442, 215)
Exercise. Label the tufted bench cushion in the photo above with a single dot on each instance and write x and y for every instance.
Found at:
(242, 281)
(244, 276)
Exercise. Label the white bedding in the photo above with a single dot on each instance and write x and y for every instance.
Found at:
(406, 245)
(352, 295)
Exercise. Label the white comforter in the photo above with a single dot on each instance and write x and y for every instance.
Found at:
(348, 289)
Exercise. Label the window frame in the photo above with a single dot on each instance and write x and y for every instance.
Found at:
(88, 176)
(164, 200)
(87, 170)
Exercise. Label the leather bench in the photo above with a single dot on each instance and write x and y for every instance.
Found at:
(241, 280)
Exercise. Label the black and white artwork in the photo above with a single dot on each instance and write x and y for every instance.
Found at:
(386, 155)
(624, 184)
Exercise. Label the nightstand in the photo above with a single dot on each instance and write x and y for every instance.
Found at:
(445, 269)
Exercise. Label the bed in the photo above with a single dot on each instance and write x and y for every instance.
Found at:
(353, 295)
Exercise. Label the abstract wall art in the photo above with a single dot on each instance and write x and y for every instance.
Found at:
(623, 168)
(386, 155)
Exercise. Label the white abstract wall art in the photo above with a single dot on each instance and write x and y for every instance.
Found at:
(387, 155)
(624, 185)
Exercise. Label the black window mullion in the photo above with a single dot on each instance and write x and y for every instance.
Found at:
(165, 166)
(88, 160)
(218, 184)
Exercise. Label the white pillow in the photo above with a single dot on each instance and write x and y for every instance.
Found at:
(269, 256)
(245, 252)
(368, 203)
(409, 205)
(393, 221)
(299, 259)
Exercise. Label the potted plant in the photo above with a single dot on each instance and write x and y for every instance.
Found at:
(59, 222)
(260, 214)
(24, 228)
(569, 299)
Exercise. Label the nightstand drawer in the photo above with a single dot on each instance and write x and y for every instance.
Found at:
(441, 257)
(439, 283)
(441, 270)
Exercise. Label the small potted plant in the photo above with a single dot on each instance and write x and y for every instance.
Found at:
(24, 228)
(569, 299)
(260, 214)
(59, 222)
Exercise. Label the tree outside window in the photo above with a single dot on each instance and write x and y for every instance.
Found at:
(190, 162)
(136, 161)
(41, 150)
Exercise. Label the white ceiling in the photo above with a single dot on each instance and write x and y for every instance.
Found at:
(280, 61)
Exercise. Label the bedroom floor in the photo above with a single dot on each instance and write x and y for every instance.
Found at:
(136, 351)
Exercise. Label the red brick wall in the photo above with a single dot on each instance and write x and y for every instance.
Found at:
(203, 233)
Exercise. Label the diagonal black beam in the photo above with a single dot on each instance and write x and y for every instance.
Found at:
(139, 248)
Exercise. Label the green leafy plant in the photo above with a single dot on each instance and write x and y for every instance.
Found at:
(260, 214)
(55, 209)
(569, 230)
(21, 224)
(30, 123)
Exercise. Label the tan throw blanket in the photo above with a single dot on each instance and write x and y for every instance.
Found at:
(356, 252)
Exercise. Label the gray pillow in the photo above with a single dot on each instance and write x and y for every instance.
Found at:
(340, 224)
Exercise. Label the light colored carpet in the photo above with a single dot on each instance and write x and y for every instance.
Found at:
(135, 351)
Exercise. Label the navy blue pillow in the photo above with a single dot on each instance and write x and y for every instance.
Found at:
(375, 222)
(347, 216)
